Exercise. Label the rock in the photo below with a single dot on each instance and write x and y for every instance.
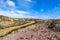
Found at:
(55, 25)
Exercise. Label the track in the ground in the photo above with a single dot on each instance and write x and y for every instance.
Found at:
(5, 31)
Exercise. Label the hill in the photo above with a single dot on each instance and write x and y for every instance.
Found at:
(39, 30)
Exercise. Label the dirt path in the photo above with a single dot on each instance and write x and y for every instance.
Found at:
(7, 30)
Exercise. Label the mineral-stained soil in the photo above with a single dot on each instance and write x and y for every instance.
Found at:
(38, 33)
(42, 30)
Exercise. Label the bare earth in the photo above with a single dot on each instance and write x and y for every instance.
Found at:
(38, 33)
(41, 30)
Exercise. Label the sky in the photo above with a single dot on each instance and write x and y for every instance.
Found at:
(41, 9)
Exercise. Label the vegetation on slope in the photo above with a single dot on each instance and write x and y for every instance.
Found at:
(7, 22)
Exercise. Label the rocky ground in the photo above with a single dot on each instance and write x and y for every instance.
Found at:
(38, 33)
(41, 30)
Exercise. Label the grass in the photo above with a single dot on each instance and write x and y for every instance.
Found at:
(7, 30)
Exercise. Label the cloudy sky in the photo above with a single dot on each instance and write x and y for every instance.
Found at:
(42, 9)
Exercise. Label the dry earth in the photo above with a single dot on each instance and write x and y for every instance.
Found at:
(38, 33)
(41, 30)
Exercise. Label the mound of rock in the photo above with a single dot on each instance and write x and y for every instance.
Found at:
(55, 25)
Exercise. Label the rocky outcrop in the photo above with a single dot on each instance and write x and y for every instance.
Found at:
(55, 25)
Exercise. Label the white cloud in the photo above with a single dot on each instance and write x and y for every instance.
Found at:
(17, 14)
(25, 4)
(29, 0)
(42, 10)
(7, 4)
(8, 13)
(45, 17)
(10, 3)
(14, 13)
(52, 14)
(22, 12)
(55, 11)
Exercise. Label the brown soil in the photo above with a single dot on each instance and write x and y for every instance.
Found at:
(38, 33)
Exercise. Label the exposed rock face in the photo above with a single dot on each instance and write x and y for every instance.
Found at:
(55, 25)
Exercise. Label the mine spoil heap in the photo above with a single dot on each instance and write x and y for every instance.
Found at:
(40, 30)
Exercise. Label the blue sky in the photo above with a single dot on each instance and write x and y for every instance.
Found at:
(42, 9)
